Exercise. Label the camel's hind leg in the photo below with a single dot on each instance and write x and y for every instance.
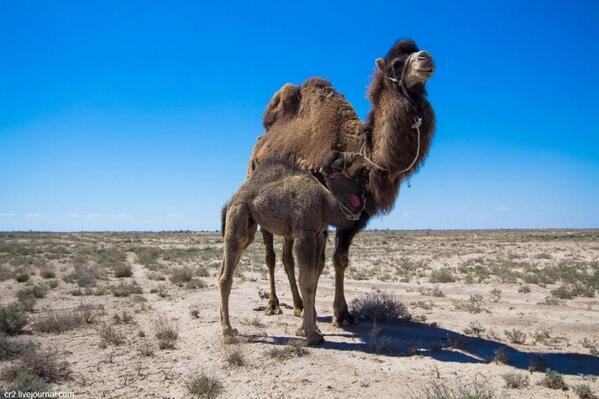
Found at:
(308, 257)
(289, 264)
(273, 301)
(239, 234)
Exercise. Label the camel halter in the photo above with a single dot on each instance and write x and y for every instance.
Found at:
(416, 125)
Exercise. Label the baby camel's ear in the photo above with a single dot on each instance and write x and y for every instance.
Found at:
(380, 63)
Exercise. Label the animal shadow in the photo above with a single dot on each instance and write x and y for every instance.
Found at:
(408, 338)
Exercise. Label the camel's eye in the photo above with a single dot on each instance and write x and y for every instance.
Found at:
(397, 65)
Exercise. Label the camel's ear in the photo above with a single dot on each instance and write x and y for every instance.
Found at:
(380, 63)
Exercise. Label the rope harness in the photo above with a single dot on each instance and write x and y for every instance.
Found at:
(363, 152)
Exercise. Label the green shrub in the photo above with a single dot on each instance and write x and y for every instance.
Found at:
(12, 319)
(204, 386)
(444, 275)
(554, 380)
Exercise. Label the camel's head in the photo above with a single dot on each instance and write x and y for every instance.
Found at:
(405, 63)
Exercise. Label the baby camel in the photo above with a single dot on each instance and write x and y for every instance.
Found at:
(290, 202)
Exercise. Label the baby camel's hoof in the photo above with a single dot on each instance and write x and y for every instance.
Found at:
(299, 332)
(315, 339)
(272, 310)
(297, 312)
(229, 335)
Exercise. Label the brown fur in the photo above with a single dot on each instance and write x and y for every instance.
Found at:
(288, 201)
(304, 124)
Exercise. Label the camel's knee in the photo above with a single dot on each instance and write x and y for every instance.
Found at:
(341, 260)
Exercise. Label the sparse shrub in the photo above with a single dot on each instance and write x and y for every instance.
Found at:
(52, 284)
(515, 336)
(156, 276)
(524, 289)
(47, 271)
(591, 345)
(196, 283)
(443, 275)
(381, 344)
(550, 301)
(145, 348)
(194, 310)
(380, 307)
(181, 275)
(123, 318)
(435, 291)
(495, 295)
(57, 322)
(11, 348)
(234, 356)
(204, 386)
(202, 272)
(584, 391)
(473, 305)
(474, 329)
(28, 383)
(12, 319)
(437, 390)
(515, 380)
(553, 380)
(43, 364)
(295, 348)
(253, 322)
(122, 269)
(110, 336)
(166, 332)
(22, 277)
(125, 289)
(543, 255)
(35, 291)
(501, 357)
(537, 364)
(564, 292)
(84, 275)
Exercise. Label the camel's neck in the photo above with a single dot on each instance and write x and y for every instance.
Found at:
(394, 142)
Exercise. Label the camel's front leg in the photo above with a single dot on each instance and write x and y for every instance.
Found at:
(273, 301)
(308, 259)
(288, 262)
(343, 240)
(239, 233)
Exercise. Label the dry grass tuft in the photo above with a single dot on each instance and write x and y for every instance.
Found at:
(379, 306)
(204, 386)
(515, 380)
(12, 319)
(553, 380)
(167, 332)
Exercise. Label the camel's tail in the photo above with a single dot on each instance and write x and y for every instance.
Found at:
(223, 219)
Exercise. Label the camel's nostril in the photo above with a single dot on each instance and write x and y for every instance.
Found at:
(423, 55)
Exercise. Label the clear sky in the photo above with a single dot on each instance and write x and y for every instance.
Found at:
(142, 115)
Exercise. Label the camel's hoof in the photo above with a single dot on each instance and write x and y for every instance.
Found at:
(299, 332)
(272, 310)
(229, 335)
(344, 318)
(297, 312)
(315, 339)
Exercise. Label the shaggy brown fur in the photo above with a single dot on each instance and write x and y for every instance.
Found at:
(288, 201)
(304, 124)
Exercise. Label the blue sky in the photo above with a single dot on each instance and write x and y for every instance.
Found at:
(142, 115)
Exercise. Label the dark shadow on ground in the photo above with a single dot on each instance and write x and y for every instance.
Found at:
(408, 338)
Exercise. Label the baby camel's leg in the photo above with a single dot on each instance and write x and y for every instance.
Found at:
(273, 301)
(308, 258)
(239, 233)
(288, 262)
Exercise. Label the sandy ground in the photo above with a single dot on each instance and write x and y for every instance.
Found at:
(433, 348)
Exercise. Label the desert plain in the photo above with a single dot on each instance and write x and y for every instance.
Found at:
(439, 314)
